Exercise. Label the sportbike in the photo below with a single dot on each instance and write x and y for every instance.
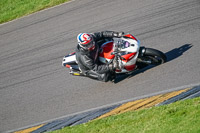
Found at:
(126, 51)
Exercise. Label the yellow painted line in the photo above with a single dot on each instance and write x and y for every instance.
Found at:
(143, 103)
(28, 130)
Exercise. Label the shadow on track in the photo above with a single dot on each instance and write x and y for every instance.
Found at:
(171, 55)
(175, 53)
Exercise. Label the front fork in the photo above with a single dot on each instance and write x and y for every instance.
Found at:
(141, 58)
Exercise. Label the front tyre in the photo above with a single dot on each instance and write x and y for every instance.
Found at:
(157, 57)
(151, 57)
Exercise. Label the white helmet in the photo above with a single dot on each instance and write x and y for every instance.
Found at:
(86, 41)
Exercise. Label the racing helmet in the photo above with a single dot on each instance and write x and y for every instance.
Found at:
(86, 41)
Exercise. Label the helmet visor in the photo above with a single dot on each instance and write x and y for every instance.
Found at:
(89, 46)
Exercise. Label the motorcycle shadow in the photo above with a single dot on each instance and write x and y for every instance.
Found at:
(171, 55)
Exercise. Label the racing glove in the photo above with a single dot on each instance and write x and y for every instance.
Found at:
(109, 34)
(118, 34)
(116, 65)
(113, 66)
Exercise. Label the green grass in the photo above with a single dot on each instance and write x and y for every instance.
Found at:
(12, 9)
(179, 117)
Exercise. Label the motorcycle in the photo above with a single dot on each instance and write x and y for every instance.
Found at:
(126, 51)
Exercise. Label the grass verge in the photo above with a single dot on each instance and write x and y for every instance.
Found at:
(12, 9)
(179, 117)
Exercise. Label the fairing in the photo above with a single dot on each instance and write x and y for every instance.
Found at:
(128, 47)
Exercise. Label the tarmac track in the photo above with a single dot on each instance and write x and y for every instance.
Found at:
(34, 87)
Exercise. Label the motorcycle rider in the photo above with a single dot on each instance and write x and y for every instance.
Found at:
(87, 55)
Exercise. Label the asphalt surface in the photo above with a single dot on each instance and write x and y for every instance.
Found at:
(34, 87)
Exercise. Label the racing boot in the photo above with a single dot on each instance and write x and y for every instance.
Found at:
(75, 72)
(101, 77)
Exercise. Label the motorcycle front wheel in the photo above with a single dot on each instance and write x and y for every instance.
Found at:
(151, 57)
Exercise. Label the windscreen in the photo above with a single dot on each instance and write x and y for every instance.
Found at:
(120, 43)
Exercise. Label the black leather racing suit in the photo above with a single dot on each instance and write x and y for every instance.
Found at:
(88, 60)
